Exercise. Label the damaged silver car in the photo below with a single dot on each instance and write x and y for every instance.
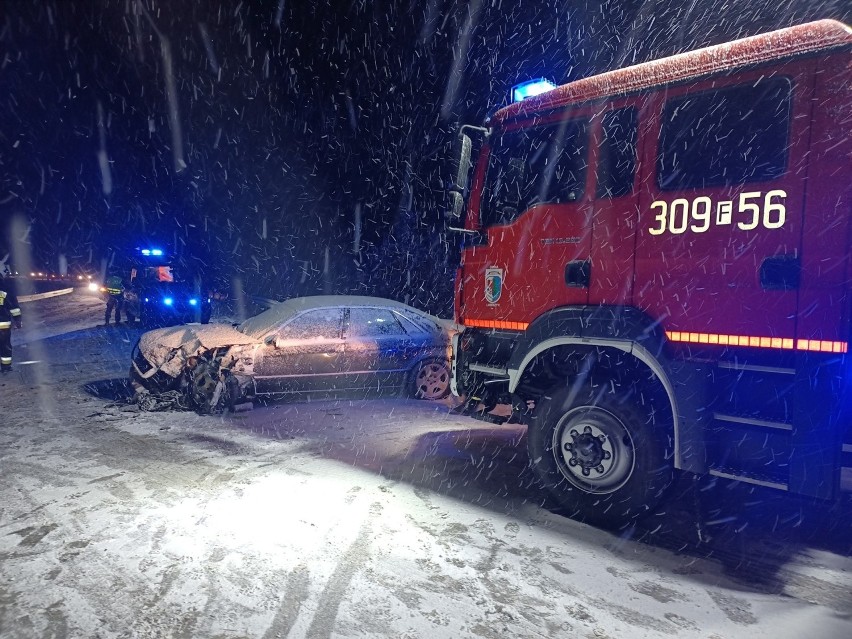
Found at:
(322, 344)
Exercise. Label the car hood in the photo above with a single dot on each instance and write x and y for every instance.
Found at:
(168, 348)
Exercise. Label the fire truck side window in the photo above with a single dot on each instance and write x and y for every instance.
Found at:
(617, 154)
(535, 166)
(729, 136)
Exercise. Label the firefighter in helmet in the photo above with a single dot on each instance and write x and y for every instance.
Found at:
(114, 294)
(10, 314)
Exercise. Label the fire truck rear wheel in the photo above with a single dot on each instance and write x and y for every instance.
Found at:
(604, 457)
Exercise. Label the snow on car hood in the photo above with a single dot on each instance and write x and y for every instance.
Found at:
(168, 348)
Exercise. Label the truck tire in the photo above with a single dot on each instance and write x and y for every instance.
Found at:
(602, 454)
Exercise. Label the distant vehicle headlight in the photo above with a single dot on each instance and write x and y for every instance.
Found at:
(168, 301)
(93, 286)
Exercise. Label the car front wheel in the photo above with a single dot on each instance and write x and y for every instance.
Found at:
(430, 380)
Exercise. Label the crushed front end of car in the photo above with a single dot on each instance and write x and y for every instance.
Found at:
(205, 368)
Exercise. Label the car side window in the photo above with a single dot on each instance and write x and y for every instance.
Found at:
(413, 323)
(322, 323)
(373, 322)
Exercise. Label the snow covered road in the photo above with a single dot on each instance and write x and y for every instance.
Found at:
(347, 518)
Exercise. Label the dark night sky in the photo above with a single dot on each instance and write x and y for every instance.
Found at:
(293, 116)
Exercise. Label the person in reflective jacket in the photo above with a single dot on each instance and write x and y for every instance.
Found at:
(114, 293)
(10, 313)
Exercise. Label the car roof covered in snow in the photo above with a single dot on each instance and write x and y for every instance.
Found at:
(799, 40)
(280, 312)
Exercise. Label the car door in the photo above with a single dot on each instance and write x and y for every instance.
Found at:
(379, 350)
(303, 355)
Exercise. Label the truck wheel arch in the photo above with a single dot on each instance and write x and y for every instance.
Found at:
(627, 331)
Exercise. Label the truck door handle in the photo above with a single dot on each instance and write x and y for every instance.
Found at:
(780, 273)
(578, 273)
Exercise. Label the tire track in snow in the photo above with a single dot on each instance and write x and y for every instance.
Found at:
(291, 602)
(332, 596)
(298, 588)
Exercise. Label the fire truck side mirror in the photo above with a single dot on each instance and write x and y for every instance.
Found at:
(456, 204)
(459, 186)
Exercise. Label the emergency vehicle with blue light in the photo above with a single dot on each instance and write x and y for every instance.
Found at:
(158, 293)
(655, 272)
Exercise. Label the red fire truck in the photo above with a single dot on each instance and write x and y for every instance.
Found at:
(656, 272)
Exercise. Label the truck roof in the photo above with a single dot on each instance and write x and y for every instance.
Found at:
(803, 39)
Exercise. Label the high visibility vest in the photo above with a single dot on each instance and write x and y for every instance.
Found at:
(8, 309)
(114, 285)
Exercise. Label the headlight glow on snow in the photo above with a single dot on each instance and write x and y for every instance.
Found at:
(530, 88)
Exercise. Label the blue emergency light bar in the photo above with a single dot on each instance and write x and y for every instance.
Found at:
(156, 252)
(530, 88)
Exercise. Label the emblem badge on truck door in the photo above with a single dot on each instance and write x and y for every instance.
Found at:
(493, 284)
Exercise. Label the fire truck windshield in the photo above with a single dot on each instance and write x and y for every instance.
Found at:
(535, 166)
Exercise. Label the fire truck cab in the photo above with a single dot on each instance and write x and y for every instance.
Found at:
(655, 272)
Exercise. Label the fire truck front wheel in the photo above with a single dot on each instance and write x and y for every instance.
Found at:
(604, 457)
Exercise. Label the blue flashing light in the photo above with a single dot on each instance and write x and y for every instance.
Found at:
(147, 300)
(530, 88)
(148, 252)
(156, 251)
(193, 301)
(168, 301)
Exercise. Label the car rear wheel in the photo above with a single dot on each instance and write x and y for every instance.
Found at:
(430, 380)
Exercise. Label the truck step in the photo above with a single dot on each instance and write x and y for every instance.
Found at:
(748, 478)
(846, 480)
(472, 409)
(752, 421)
(757, 368)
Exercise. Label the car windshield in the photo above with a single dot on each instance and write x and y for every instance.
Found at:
(265, 322)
